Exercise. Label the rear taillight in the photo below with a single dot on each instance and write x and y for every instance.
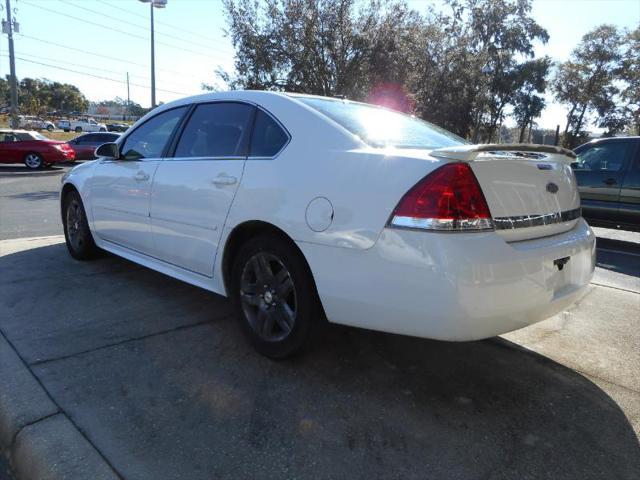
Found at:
(449, 199)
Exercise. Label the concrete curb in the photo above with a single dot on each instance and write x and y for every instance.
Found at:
(38, 173)
(39, 440)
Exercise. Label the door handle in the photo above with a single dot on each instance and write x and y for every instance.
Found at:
(141, 177)
(223, 179)
(609, 181)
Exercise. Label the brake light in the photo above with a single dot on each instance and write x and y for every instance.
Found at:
(449, 199)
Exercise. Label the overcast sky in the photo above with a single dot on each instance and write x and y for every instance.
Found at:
(93, 43)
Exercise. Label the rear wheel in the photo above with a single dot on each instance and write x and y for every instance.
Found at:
(33, 161)
(76, 229)
(50, 128)
(78, 129)
(103, 129)
(274, 296)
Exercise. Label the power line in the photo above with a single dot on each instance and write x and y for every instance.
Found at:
(49, 42)
(96, 76)
(87, 66)
(168, 25)
(208, 47)
(133, 35)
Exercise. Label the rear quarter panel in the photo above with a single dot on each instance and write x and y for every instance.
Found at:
(324, 160)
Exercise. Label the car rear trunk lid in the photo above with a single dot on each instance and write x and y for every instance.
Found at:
(530, 189)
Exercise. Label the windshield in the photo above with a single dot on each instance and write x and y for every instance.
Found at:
(381, 127)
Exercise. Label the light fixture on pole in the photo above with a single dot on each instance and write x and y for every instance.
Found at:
(153, 4)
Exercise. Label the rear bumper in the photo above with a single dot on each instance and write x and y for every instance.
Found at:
(452, 286)
(60, 156)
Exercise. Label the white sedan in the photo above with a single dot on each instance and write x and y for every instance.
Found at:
(304, 208)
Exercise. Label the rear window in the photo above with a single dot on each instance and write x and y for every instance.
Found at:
(381, 127)
(268, 137)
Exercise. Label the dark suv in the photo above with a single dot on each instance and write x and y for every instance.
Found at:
(608, 174)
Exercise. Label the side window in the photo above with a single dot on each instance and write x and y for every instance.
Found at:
(268, 137)
(7, 137)
(216, 130)
(610, 157)
(150, 138)
(86, 140)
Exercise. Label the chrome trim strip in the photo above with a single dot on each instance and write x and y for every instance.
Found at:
(526, 221)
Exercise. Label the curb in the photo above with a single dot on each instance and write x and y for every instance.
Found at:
(30, 174)
(37, 437)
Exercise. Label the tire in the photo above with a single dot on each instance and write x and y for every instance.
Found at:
(103, 129)
(66, 130)
(33, 161)
(50, 128)
(281, 319)
(78, 129)
(77, 234)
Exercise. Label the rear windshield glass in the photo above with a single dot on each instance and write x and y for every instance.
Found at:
(381, 127)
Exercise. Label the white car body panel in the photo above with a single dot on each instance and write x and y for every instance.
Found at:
(449, 286)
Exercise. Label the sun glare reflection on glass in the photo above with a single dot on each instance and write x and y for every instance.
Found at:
(380, 126)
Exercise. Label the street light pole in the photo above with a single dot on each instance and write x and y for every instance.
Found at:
(153, 4)
(153, 61)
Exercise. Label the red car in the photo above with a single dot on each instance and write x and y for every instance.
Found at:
(32, 149)
(85, 145)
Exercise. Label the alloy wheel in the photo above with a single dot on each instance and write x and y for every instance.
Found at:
(268, 297)
(74, 225)
(33, 161)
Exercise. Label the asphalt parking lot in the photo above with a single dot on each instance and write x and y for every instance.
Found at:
(155, 379)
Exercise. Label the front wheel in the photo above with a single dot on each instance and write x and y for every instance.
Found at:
(274, 296)
(33, 161)
(78, 129)
(77, 234)
(50, 128)
(103, 129)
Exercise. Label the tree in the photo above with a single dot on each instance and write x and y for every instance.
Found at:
(586, 82)
(326, 47)
(527, 106)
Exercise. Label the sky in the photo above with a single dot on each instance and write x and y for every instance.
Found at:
(94, 43)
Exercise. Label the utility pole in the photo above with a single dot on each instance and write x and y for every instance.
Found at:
(128, 112)
(12, 69)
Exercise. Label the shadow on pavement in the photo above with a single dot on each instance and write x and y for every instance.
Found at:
(41, 195)
(618, 256)
(195, 401)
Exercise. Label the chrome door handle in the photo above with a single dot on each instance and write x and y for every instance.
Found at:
(221, 180)
(141, 176)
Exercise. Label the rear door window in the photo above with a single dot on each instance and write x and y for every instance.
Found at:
(610, 157)
(216, 130)
(268, 137)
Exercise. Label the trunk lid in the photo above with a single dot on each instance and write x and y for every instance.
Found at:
(530, 189)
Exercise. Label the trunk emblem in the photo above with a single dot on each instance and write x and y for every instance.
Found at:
(552, 187)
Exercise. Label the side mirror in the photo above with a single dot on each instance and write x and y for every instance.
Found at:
(108, 151)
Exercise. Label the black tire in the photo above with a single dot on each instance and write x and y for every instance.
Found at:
(66, 130)
(77, 234)
(103, 129)
(33, 161)
(50, 128)
(78, 129)
(251, 305)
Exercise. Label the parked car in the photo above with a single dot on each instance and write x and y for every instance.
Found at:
(32, 149)
(117, 127)
(85, 145)
(35, 123)
(82, 125)
(608, 175)
(299, 207)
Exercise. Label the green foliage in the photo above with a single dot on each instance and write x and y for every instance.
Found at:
(39, 96)
(588, 82)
